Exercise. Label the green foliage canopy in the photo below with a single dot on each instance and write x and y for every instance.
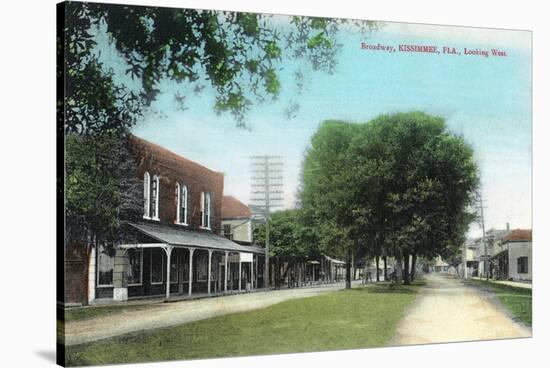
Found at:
(101, 186)
(399, 183)
(290, 235)
(239, 55)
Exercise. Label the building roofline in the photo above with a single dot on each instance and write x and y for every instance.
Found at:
(171, 154)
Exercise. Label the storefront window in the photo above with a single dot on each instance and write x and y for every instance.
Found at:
(135, 266)
(174, 268)
(202, 266)
(157, 266)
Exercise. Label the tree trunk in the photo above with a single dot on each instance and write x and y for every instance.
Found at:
(385, 268)
(398, 267)
(353, 266)
(377, 270)
(348, 270)
(406, 278)
(296, 274)
(413, 267)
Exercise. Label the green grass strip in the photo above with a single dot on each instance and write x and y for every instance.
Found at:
(517, 300)
(347, 319)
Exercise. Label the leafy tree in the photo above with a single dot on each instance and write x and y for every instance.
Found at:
(292, 238)
(400, 184)
(289, 235)
(325, 195)
(429, 179)
(239, 55)
(101, 188)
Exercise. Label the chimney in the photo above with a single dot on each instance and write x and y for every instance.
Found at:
(507, 226)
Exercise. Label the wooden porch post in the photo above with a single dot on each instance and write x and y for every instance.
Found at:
(168, 250)
(252, 273)
(226, 273)
(240, 270)
(191, 250)
(209, 269)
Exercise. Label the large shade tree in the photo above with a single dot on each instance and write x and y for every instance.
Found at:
(433, 177)
(325, 195)
(400, 184)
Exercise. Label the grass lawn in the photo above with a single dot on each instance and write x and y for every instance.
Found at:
(517, 300)
(92, 312)
(347, 319)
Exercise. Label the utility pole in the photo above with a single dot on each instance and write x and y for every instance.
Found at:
(465, 260)
(482, 220)
(267, 193)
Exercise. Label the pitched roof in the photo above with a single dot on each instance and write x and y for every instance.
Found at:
(232, 208)
(518, 235)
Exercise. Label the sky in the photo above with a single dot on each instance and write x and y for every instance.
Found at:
(487, 100)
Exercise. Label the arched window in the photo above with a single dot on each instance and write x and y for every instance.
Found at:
(146, 195)
(205, 210)
(181, 204)
(155, 189)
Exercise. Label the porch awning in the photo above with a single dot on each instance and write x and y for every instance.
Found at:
(201, 239)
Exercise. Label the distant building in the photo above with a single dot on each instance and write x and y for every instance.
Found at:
(492, 239)
(512, 259)
(440, 265)
(236, 220)
(469, 257)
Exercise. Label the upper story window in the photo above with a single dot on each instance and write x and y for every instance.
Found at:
(146, 196)
(151, 188)
(181, 204)
(205, 210)
(155, 189)
(227, 231)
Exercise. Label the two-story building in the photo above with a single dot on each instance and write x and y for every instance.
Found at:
(175, 247)
(487, 246)
(237, 221)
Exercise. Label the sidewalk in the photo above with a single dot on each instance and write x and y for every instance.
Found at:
(174, 298)
(524, 285)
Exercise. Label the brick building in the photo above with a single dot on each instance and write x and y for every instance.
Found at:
(177, 241)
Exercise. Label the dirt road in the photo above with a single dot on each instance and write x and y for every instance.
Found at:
(170, 314)
(446, 310)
